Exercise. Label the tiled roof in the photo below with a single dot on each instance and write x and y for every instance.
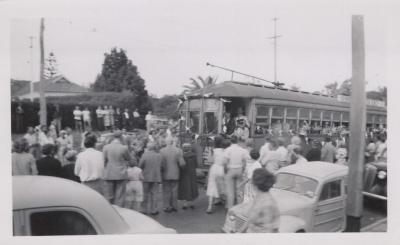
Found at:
(58, 84)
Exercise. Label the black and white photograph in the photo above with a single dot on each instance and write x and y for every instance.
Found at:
(199, 117)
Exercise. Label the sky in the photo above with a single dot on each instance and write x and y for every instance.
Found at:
(171, 42)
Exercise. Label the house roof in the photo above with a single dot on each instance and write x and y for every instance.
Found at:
(58, 84)
(246, 90)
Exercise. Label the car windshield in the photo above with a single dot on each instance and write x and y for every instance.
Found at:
(296, 183)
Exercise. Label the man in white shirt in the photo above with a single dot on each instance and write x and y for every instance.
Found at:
(31, 137)
(89, 166)
(272, 160)
(78, 118)
(282, 151)
(149, 120)
(87, 121)
(136, 118)
(264, 150)
(296, 155)
(234, 161)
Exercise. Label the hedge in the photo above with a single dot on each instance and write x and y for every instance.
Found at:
(67, 104)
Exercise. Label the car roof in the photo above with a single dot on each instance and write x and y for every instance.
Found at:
(320, 171)
(31, 192)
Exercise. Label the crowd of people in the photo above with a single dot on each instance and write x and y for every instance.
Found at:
(133, 170)
(129, 170)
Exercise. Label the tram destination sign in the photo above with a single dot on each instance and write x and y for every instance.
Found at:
(370, 102)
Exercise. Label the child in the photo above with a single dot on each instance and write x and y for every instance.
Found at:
(251, 165)
(134, 188)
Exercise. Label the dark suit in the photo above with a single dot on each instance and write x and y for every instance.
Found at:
(172, 159)
(116, 160)
(49, 166)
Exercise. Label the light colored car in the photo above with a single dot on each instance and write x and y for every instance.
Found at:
(311, 197)
(44, 206)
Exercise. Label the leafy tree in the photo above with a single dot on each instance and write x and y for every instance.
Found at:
(199, 83)
(380, 94)
(166, 105)
(332, 89)
(345, 87)
(50, 67)
(118, 74)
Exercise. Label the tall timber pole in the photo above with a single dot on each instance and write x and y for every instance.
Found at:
(357, 127)
(43, 109)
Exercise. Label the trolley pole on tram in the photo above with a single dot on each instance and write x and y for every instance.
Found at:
(357, 127)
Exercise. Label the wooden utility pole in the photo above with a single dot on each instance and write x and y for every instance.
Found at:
(357, 127)
(43, 109)
(31, 71)
(275, 37)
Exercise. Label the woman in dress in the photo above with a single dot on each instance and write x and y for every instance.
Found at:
(216, 174)
(23, 163)
(187, 185)
(264, 213)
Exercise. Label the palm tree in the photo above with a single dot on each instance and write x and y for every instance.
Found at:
(199, 83)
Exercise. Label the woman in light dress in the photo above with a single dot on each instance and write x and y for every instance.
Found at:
(216, 175)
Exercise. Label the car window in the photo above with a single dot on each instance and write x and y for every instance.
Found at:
(331, 190)
(295, 183)
(52, 223)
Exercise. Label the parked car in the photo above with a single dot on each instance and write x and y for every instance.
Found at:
(311, 197)
(375, 180)
(46, 206)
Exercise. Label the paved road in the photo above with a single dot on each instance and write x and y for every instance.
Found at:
(198, 221)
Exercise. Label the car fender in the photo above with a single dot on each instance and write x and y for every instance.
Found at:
(289, 224)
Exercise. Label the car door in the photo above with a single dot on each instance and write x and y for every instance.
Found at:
(59, 221)
(329, 212)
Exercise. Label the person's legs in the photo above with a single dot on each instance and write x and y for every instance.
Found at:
(166, 194)
(97, 185)
(109, 190)
(230, 189)
(120, 189)
(154, 190)
(146, 198)
(237, 179)
(174, 194)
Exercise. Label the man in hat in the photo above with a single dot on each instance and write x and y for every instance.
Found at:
(116, 160)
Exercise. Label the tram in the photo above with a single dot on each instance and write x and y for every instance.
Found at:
(266, 106)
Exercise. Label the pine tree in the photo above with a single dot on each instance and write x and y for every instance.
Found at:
(51, 69)
(118, 74)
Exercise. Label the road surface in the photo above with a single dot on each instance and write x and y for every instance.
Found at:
(198, 221)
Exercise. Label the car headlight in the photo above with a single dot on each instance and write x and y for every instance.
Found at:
(382, 174)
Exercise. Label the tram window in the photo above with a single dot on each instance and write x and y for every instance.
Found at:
(336, 116)
(261, 126)
(304, 113)
(291, 112)
(346, 116)
(262, 110)
(210, 123)
(194, 121)
(316, 114)
(327, 116)
(291, 125)
(278, 112)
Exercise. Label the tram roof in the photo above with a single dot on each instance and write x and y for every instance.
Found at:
(248, 90)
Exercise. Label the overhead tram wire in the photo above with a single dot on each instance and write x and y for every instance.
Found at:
(276, 84)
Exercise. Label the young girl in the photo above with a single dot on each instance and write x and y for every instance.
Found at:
(134, 188)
